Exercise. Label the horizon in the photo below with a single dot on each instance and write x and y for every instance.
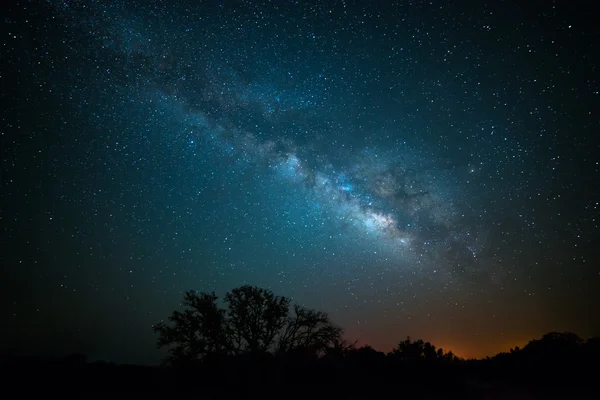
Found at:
(92, 358)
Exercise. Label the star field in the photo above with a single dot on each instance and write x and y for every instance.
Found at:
(411, 168)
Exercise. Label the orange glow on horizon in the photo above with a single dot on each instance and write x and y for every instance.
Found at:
(462, 350)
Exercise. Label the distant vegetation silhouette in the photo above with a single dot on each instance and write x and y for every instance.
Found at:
(256, 340)
(418, 350)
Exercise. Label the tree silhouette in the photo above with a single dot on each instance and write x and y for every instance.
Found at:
(195, 332)
(412, 350)
(255, 317)
(551, 349)
(554, 342)
(308, 329)
(254, 320)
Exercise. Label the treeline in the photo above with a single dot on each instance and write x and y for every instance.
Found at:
(255, 323)
(253, 339)
(557, 359)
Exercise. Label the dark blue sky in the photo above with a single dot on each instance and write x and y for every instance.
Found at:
(412, 168)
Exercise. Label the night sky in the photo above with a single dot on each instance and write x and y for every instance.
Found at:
(411, 168)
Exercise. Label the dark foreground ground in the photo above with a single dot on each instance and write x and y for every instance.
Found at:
(473, 380)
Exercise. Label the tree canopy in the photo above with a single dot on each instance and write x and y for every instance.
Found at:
(252, 320)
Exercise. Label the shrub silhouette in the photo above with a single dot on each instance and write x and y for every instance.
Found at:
(418, 350)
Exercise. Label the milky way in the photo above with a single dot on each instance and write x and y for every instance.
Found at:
(398, 199)
(412, 168)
